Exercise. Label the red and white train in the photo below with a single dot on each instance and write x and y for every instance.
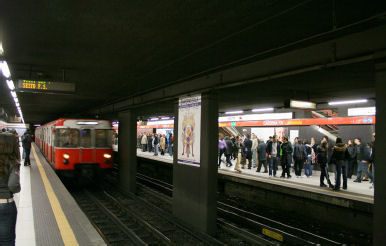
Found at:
(76, 145)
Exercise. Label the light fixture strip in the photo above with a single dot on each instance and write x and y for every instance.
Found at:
(348, 102)
(262, 109)
(235, 112)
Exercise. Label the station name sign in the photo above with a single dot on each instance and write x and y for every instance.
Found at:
(42, 86)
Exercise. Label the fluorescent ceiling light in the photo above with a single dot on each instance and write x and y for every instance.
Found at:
(5, 69)
(17, 104)
(16, 100)
(1, 49)
(87, 123)
(37, 125)
(348, 102)
(235, 112)
(154, 118)
(10, 84)
(13, 94)
(262, 109)
(165, 118)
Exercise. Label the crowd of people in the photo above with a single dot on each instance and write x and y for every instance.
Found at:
(156, 143)
(251, 152)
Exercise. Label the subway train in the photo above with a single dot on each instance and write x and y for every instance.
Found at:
(77, 147)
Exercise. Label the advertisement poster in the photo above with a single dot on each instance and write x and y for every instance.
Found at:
(189, 130)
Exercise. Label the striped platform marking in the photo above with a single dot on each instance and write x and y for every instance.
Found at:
(65, 229)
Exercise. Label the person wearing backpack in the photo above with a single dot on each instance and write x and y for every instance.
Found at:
(308, 159)
(298, 156)
(9, 185)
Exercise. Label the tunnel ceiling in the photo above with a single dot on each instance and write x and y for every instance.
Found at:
(115, 49)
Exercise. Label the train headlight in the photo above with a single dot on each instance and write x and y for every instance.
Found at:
(107, 156)
(66, 156)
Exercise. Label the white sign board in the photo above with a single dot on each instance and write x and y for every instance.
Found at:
(189, 130)
(293, 134)
(251, 117)
(263, 132)
(361, 111)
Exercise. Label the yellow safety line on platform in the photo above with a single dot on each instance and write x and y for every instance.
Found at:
(303, 186)
(65, 229)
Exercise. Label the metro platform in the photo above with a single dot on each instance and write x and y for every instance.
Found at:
(47, 213)
(305, 187)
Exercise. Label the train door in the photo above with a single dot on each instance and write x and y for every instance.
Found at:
(53, 145)
(87, 149)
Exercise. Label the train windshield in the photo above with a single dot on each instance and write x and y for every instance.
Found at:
(85, 138)
(67, 138)
(103, 138)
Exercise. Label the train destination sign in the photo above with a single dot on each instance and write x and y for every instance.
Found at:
(41, 86)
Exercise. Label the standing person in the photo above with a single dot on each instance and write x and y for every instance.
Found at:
(162, 143)
(27, 140)
(239, 146)
(340, 156)
(254, 150)
(308, 156)
(363, 160)
(322, 152)
(221, 150)
(235, 153)
(228, 151)
(298, 155)
(372, 159)
(150, 142)
(155, 144)
(286, 158)
(273, 150)
(313, 144)
(171, 143)
(144, 142)
(262, 156)
(248, 150)
(9, 185)
(352, 161)
(14, 132)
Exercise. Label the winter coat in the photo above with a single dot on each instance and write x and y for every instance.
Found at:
(339, 153)
(229, 147)
(322, 155)
(364, 153)
(262, 151)
(255, 144)
(9, 163)
(269, 148)
(27, 140)
(162, 143)
(144, 139)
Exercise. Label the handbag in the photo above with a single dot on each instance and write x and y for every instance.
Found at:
(14, 180)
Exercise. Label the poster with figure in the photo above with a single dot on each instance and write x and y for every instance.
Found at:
(189, 130)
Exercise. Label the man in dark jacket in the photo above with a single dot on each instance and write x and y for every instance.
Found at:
(150, 143)
(298, 157)
(363, 160)
(228, 151)
(262, 155)
(155, 144)
(27, 140)
(352, 162)
(286, 157)
(248, 150)
(273, 150)
(340, 156)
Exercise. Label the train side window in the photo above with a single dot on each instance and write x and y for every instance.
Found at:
(85, 138)
(103, 138)
(67, 138)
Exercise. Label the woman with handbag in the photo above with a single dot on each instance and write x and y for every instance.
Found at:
(9, 184)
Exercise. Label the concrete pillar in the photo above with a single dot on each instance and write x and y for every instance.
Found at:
(379, 236)
(195, 188)
(127, 150)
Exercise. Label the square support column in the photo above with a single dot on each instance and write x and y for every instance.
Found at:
(195, 188)
(127, 150)
(379, 217)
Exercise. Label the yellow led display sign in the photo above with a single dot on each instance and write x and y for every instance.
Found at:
(41, 86)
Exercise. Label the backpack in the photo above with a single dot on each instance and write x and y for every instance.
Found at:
(299, 153)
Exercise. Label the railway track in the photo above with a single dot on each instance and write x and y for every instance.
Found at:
(251, 226)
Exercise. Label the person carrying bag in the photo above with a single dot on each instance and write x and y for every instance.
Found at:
(9, 185)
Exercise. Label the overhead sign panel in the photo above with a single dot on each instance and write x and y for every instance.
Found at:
(302, 104)
(42, 86)
(249, 117)
(361, 111)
